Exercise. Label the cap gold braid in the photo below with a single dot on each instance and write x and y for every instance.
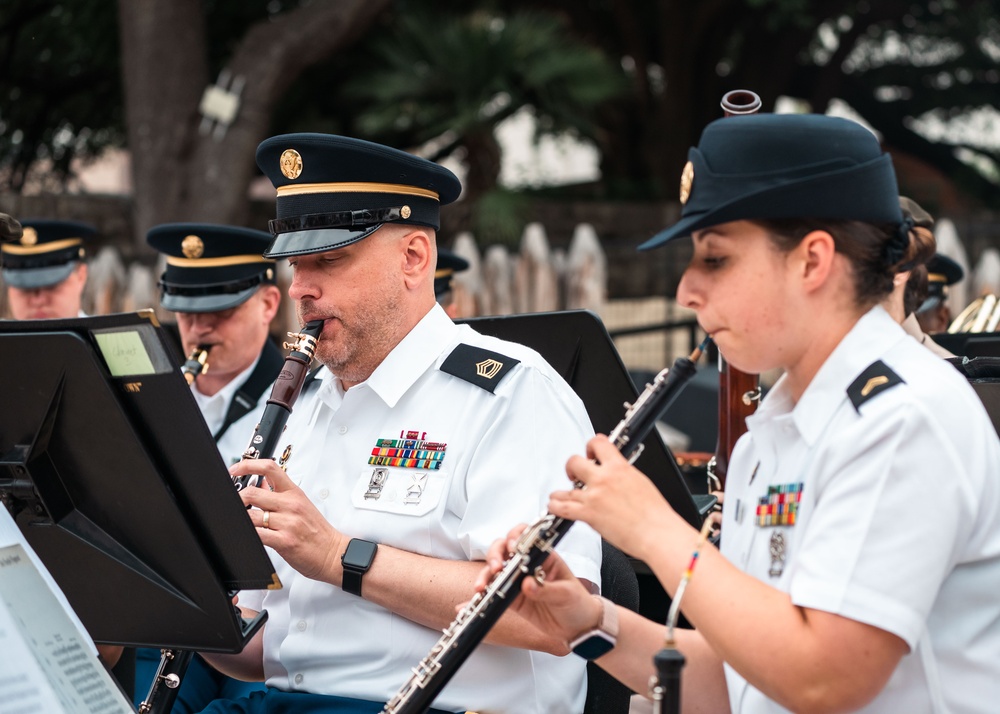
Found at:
(41, 247)
(357, 187)
(216, 262)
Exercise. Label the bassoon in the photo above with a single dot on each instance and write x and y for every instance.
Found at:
(533, 547)
(739, 393)
(263, 442)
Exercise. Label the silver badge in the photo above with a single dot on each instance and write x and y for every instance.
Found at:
(777, 554)
(415, 489)
(376, 483)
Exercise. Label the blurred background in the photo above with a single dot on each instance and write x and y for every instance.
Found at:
(568, 122)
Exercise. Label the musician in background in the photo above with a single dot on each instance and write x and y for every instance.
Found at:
(44, 268)
(861, 545)
(933, 314)
(225, 296)
(910, 287)
(415, 442)
(448, 264)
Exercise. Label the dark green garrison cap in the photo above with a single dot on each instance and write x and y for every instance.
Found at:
(210, 267)
(44, 254)
(767, 166)
(336, 190)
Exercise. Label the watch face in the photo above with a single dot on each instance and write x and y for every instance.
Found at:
(596, 645)
(360, 553)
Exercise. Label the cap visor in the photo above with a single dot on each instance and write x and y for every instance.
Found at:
(930, 303)
(316, 241)
(206, 303)
(36, 278)
(681, 229)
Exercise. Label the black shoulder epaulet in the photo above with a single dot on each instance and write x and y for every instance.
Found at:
(876, 378)
(481, 367)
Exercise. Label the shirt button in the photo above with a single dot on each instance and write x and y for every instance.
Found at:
(301, 625)
(324, 494)
(298, 679)
(342, 430)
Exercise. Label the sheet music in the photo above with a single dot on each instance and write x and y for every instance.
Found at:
(47, 666)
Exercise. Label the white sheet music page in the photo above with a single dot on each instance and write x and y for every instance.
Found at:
(45, 664)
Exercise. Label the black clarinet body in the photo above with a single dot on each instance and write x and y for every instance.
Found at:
(665, 687)
(285, 391)
(534, 546)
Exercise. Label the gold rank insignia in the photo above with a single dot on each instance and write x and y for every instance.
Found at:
(687, 179)
(291, 163)
(29, 236)
(488, 368)
(405, 212)
(192, 247)
(872, 383)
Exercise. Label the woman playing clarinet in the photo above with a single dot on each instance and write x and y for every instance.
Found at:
(861, 528)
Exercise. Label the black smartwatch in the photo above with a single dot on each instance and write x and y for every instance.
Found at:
(357, 559)
(603, 638)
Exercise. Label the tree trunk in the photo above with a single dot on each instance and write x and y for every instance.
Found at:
(179, 172)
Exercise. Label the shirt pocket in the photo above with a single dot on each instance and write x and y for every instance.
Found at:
(406, 492)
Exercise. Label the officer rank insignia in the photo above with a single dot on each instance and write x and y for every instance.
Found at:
(410, 451)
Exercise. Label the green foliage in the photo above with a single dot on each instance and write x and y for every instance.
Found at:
(59, 84)
(500, 217)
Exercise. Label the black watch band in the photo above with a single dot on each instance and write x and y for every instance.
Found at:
(357, 559)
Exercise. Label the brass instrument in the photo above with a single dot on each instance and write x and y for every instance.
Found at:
(981, 315)
(196, 363)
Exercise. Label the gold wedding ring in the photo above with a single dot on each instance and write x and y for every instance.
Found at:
(267, 519)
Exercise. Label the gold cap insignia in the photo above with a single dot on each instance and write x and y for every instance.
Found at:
(291, 163)
(405, 212)
(29, 236)
(488, 368)
(872, 383)
(269, 273)
(192, 247)
(687, 178)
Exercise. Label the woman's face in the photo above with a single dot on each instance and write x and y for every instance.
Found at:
(738, 283)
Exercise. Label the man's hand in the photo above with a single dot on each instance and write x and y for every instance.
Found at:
(287, 521)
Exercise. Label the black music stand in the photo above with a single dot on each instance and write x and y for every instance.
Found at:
(579, 348)
(113, 477)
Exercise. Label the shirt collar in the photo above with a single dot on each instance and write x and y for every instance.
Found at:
(868, 340)
(225, 395)
(414, 354)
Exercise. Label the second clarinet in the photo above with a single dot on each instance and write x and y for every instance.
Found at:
(532, 550)
(283, 395)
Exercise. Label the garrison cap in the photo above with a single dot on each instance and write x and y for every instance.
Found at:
(448, 264)
(336, 190)
(942, 271)
(45, 252)
(768, 166)
(210, 267)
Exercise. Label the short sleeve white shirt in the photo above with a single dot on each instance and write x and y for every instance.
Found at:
(501, 454)
(897, 522)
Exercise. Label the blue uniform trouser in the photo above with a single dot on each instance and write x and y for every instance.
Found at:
(275, 701)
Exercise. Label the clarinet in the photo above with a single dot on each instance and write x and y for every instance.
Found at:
(174, 663)
(534, 546)
(196, 363)
(283, 395)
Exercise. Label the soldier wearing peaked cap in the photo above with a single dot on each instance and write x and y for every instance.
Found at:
(848, 598)
(225, 296)
(403, 442)
(43, 267)
(448, 264)
(933, 314)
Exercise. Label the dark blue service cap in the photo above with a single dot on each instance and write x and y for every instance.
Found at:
(336, 190)
(942, 271)
(210, 267)
(45, 253)
(448, 264)
(772, 166)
